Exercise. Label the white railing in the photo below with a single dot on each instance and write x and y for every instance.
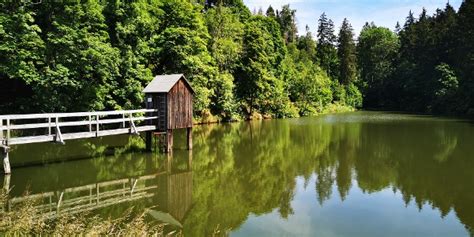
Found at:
(52, 125)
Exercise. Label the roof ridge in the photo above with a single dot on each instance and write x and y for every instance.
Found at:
(164, 83)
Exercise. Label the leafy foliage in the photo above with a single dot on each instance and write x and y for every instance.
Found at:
(95, 55)
(287, 20)
(376, 53)
(81, 65)
(258, 83)
(21, 53)
(226, 47)
(183, 41)
(427, 67)
(308, 85)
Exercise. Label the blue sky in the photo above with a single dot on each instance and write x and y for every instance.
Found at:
(383, 12)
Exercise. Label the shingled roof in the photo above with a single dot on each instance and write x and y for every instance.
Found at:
(164, 83)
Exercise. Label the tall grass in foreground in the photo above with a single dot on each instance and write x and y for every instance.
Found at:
(26, 220)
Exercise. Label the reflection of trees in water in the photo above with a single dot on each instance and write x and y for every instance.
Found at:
(324, 185)
(124, 163)
(448, 144)
(249, 168)
(163, 183)
(75, 149)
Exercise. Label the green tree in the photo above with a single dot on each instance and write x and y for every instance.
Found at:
(307, 44)
(21, 58)
(398, 28)
(258, 84)
(464, 52)
(287, 20)
(376, 53)
(131, 28)
(81, 65)
(237, 6)
(347, 54)
(226, 32)
(182, 48)
(326, 51)
(347, 58)
(353, 96)
(447, 89)
(271, 12)
(308, 85)
(424, 44)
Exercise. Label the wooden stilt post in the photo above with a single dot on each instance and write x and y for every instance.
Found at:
(6, 191)
(148, 140)
(6, 160)
(163, 142)
(189, 134)
(169, 162)
(157, 142)
(190, 160)
(6, 183)
(169, 141)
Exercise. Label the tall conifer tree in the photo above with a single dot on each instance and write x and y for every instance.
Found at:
(326, 53)
(347, 54)
(270, 12)
(287, 20)
(465, 50)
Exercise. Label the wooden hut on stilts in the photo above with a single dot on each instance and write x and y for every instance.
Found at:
(172, 96)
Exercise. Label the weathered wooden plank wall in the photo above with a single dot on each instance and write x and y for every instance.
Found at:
(180, 107)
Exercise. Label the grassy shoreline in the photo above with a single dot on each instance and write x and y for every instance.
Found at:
(213, 119)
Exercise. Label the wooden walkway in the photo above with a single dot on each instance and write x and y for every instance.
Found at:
(53, 123)
(59, 127)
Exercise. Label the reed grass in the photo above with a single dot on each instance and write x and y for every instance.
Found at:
(26, 220)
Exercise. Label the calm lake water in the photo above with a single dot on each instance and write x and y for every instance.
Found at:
(354, 174)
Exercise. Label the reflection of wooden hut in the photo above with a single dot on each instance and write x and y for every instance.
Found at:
(175, 189)
(172, 96)
(175, 194)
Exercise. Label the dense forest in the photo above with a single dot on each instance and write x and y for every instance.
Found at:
(426, 65)
(99, 55)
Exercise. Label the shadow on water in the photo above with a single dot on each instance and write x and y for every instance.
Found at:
(244, 171)
(48, 153)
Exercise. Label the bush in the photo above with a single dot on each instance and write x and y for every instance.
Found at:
(353, 96)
